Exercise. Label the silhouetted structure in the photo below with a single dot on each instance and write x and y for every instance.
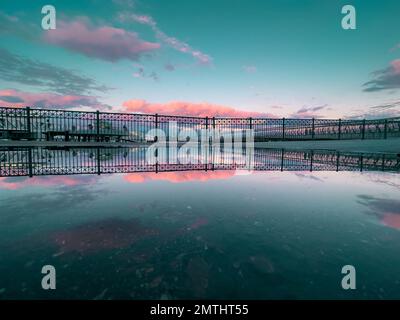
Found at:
(49, 125)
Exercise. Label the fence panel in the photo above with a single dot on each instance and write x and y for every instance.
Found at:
(79, 126)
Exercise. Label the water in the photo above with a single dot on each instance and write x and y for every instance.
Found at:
(200, 234)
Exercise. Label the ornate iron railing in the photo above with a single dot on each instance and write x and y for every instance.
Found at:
(32, 161)
(47, 125)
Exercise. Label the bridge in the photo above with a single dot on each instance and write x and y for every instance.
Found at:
(62, 125)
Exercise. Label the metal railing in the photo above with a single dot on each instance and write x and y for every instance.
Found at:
(47, 125)
(32, 161)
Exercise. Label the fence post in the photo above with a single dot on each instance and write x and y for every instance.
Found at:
(386, 127)
(156, 137)
(98, 161)
(213, 122)
(207, 123)
(98, 125)
(340, 129)
(28, 119)
(251, 123)
(363, 130)
(313, 128)
(30, 162)
(283, 128)
(337, 161)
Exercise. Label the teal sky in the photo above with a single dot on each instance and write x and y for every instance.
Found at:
(278, 57)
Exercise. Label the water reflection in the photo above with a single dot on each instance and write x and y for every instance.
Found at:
(17, 161)
(195, 232)
(386, 210)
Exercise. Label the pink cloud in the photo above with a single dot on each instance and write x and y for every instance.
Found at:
(179, 176)
(15, 183)
(190, 109)
(107, 43)
(391, 220)
(396, 66)
(16, 98)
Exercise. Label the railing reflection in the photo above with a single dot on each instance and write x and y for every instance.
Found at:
(32, 161)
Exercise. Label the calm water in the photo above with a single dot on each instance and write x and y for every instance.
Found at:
(197, 234)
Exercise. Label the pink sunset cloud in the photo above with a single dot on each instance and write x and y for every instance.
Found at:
(107, 43)
(190, 109)
(178, 176)
(17, 98)
(16, 183)
(391, 220)
(396, 66)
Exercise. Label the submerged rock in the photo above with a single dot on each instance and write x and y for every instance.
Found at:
(107, 234)
(262, 264)
(198, 271)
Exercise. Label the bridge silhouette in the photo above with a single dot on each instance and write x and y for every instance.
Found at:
(62, 125)
(38, 161)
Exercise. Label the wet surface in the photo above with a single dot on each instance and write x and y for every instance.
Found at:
(201, 234)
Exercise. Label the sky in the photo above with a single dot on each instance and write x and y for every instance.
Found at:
(239, 58)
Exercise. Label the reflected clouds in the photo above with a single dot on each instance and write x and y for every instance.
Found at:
(386, 210)
(179, 176)
(15, 183)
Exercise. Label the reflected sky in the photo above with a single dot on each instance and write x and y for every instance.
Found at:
(172, 235)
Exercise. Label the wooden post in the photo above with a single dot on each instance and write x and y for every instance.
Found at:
(340, 129)
(283, 128)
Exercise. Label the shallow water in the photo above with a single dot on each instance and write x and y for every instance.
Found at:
(197, 234)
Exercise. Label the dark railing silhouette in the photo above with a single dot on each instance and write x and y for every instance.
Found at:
(48, 125)
(32, 161)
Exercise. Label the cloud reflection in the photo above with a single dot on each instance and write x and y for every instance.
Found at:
(387, 210)
(179, 176)
(16, 183)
